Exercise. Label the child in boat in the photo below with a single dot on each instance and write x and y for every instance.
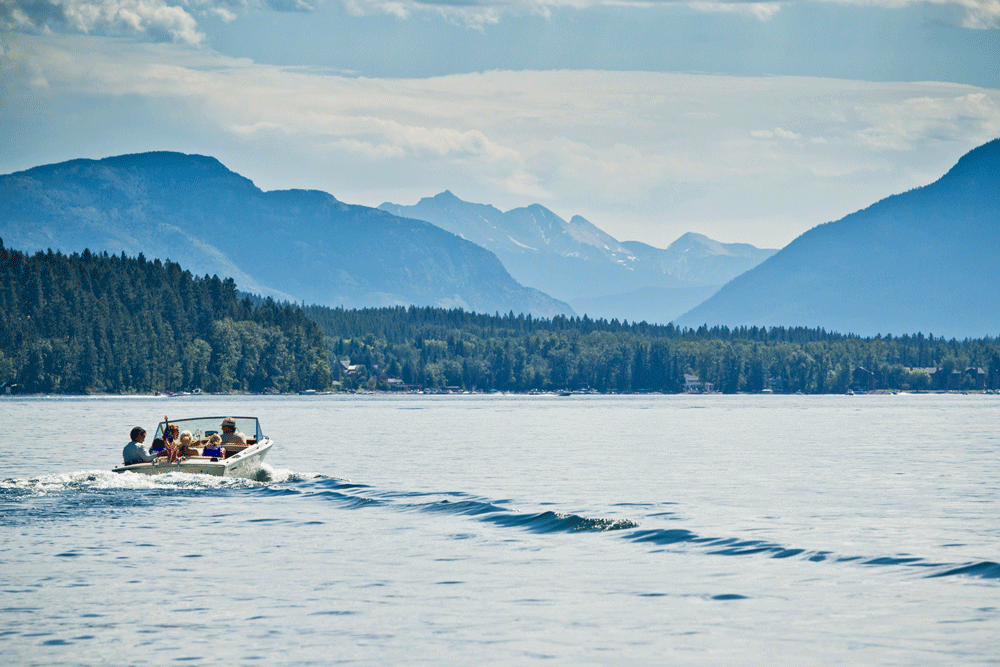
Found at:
(188, 446)
(213, 445)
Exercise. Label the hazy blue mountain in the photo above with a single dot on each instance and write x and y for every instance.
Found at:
(587, 267)
(537, 246)
(295, 244)
(922, 261)
(697, 259)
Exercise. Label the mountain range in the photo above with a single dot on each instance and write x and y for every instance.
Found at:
(579, 263)
(298, 245)
(921, 261)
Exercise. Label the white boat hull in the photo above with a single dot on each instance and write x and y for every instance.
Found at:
(243, 464)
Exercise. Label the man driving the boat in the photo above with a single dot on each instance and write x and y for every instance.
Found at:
(135, 451)
(230, 436)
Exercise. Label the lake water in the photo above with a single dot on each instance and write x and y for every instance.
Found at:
(597, 530)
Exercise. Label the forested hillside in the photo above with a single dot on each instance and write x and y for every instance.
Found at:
(108, 323)
(441, 348)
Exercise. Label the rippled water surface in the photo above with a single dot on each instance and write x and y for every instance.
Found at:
(683, 530)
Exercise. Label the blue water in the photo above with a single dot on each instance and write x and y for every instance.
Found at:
(683, 530)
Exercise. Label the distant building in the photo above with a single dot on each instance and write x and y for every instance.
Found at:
(692, 383)
(978, 376)
(862, 379)
(351, 370)
(395, 384)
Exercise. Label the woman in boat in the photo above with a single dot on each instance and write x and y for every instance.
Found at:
(171, 444)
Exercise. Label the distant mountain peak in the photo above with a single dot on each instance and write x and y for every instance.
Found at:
(165, 159)
(692, 237)
(198, 170)
(446, 196)
(182, 166)
(445, 201)
(983, 161)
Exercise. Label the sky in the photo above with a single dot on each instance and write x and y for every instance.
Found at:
(747, 122)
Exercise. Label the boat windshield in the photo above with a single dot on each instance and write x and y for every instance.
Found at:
(201, 427)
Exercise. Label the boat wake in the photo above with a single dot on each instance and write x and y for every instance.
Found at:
(356, 496)
(105, 488)
(98, 481)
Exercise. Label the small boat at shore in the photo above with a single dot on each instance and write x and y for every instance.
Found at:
(237, 459)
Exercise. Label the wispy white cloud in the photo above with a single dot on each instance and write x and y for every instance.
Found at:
(904, 125)
(762, 11)
(978, 14)
(776, 133)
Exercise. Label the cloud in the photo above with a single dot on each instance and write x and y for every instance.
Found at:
(777, 132)
(291, 5)
(762, 11)
(981, 14)
(151, 18)
(977, 14)
(904, 125)
(157, 20)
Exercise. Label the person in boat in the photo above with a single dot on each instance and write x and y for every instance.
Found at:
(213, 447)
(188, 445)
(135, 451)
(230, 436)
(172, 444)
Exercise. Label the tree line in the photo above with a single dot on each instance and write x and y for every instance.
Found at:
(92, 322)
(437, 348)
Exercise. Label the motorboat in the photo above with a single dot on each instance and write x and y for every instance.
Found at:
(233, 460)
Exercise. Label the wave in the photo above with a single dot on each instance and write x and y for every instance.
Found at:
(542, 522)
(348, 494)
(986, 569)
(492, 511)
(731, 546)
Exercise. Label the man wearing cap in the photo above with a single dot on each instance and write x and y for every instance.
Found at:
(135, 451)
(230, 436)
